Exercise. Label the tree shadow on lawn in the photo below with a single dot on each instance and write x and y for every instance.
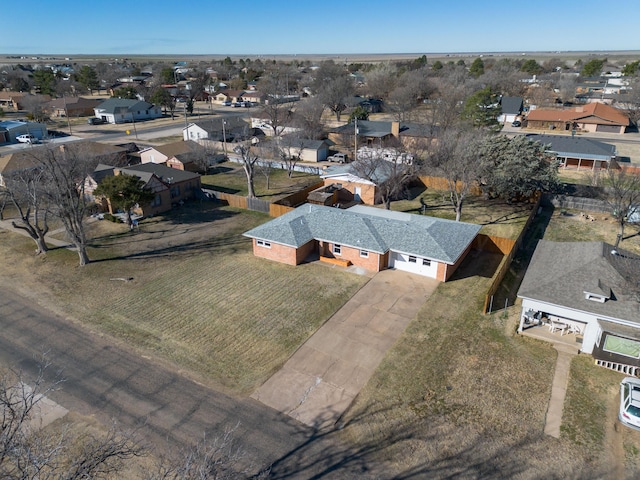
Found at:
(473, 453)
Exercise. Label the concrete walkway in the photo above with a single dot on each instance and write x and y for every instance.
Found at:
(7, 225)
(320, 381)
(558, 389)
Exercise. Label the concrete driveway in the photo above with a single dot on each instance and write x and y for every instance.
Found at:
(319, 382)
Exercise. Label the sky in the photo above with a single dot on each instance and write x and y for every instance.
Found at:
(278, 27)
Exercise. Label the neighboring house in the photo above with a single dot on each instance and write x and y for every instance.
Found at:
(123, 110)
(264, 124)
(228, 95)
(367, 237)
(170, 186)
(511, 109)
(378, 134)
(591, 289)
(592, 117)
(10, 129)
(578, 152)
(365, 190)
(309, 150)
(12, 100)
(97, 152)
(182, 155)
(233, 127)
(72, 107)
(253, 97)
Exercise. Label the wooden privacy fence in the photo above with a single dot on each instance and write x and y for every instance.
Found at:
(508, 248)
(439, 183)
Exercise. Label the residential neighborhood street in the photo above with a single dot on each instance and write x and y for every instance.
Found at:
(106, 380)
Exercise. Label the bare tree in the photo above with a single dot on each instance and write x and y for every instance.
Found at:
(219, 458)
(334, 87)
(412, 87)
(456, 160)
(30, 452)
(26, 190)
(622, 194)
(249, 159)
(382, 80)
(65, 169)
(290, 149)
(389, 174)
(308, 117)
(278, 104)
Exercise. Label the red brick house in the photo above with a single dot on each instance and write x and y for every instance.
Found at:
(593, 117)
(370, 238)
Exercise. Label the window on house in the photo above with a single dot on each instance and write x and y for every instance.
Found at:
(157, 201)
(364, 254)
(263, 243)
(175, 191)
(337, 249)
(426, 262)
(413, 259)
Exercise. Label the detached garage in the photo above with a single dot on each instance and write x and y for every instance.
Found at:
(366, 237)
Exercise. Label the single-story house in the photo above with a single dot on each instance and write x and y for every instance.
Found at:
(123, 110)
(10, 129)
(216, 129)
(12, 100)
(590, 289)
(378, 134)
(363, 189)
(511, 109)
(170, 186)
(578, 152)
(228, 95)
(309, 150)
(72, 106)
(182, 155)
(253, 97)
(592, 117)
(98, 152)
(370, 238)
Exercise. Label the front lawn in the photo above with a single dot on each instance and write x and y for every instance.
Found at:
(190, 291)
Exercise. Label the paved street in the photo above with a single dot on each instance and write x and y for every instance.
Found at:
(108, 380)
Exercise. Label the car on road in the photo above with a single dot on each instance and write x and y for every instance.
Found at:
(516, 123)
(337, 157)
(629, 413)
(95, 121)
(26, 138)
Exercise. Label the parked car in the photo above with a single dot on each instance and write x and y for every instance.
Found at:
(516, 123)
(227, 103)
(237, 104)
(95, 121)
(26, 138)
(629, 413)
(246, 104)
(337, 157)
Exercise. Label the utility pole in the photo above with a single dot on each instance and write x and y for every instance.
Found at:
(355, 143)
(224, 139)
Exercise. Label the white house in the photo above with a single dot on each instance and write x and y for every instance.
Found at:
(588, 289)
(123, 110)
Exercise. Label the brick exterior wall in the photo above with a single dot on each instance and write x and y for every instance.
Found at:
(374, 262)
(445, 270)
(367, 192)
(279, 253)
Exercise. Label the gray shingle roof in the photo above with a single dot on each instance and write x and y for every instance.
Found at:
(511, 105)
(561, 272)
(161, 171)
(576, 147)
(372, 229)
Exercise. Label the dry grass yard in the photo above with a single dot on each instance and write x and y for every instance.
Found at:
(496, 216)
(187, 288)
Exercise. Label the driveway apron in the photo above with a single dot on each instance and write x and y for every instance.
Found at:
(319, 382)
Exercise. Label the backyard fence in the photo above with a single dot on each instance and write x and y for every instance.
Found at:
(508, 248)
(575, 203)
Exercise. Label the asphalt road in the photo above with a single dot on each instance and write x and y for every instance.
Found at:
(112, 381)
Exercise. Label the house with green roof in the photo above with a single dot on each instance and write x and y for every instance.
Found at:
(590, 290)
(370, 238)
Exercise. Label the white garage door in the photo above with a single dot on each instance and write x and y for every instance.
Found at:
(413, 264)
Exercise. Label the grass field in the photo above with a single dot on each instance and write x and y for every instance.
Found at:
(196, 294)
(496, 216)
(230, 178)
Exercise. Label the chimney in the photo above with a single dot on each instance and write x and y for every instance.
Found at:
(395, 129)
